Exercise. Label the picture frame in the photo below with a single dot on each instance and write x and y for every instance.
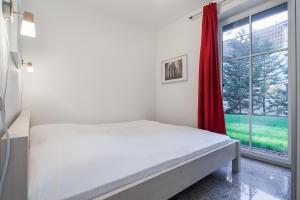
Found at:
(174, 70)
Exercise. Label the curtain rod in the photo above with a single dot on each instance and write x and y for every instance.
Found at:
(201, 12)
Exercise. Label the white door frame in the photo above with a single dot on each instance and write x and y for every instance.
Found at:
(295, 31)
(292, 79)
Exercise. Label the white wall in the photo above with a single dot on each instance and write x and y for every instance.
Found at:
(176, 103)
(88, 68)
(13, 100)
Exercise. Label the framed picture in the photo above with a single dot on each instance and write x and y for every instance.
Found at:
(174, 70)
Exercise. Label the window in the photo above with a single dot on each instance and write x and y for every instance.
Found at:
(255, 81)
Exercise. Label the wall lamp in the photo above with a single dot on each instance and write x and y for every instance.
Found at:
(28, 25)
(28, 65)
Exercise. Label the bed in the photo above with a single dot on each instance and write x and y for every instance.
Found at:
(130, 160)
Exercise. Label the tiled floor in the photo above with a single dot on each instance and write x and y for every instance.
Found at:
(256, 181)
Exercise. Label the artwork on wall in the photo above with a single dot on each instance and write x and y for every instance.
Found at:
(174, 70)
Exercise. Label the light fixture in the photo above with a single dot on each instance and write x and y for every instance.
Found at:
(7, 10)
(28, 26)
(28, 65)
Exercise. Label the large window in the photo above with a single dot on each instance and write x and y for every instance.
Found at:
(255, 80)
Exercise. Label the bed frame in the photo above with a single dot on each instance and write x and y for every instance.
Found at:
(166, 184)
(159, 186)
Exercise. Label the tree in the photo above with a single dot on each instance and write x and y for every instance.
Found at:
(269, 71)
(269, 77)
(278, 103)
(236, 75)
(235, 86)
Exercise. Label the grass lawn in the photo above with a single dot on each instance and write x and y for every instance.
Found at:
(268, 132)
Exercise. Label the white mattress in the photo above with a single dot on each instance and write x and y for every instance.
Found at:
(83, 161)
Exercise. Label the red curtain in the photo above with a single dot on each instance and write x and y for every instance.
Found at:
(210, 105)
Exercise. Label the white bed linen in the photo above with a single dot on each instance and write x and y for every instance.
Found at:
(81, 161)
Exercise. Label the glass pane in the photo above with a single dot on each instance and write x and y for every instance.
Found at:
(270, 102)
(236, 98)
(237, 127)
(236, 40)
(270, 29)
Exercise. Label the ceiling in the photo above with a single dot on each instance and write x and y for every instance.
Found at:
(149, 13)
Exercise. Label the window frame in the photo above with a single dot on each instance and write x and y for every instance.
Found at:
(291, 81)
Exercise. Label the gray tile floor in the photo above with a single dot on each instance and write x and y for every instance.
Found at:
(256, 181)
